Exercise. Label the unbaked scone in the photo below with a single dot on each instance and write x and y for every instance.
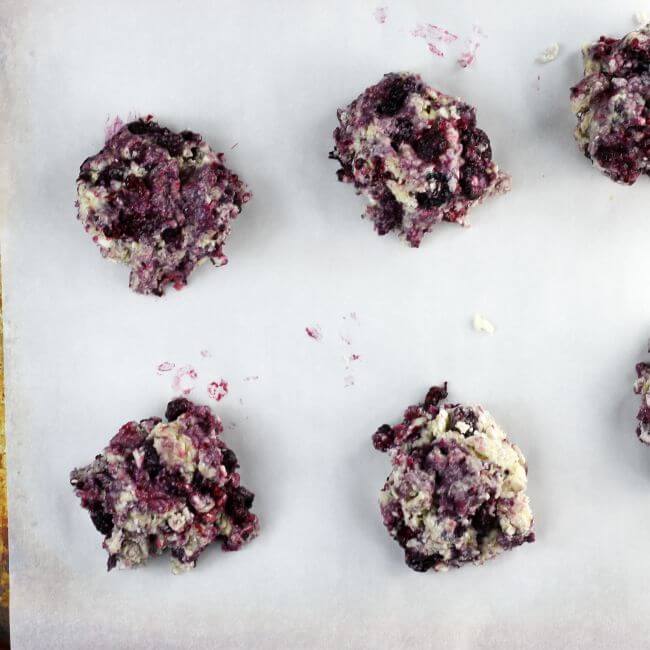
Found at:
(167, 486)
(416, 154)
(457, 489)
(159, 201)
(610, 103)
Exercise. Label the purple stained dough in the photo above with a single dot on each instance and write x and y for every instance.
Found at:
(162, 486)
(416, 154)
(456, 492)
(611, 104)
(160, 202)
(642, 387)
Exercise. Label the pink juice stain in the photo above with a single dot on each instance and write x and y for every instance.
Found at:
(217, 390)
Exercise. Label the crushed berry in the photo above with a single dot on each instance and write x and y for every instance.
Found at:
(435, 394)
(435, 197)
(160, 202)
(102, 521)
(383, 438)
(429, 145)
(217, 390)
(394, 96)
(151, 463)
(456, 492)
(229, 460)
(405, 146)
(176, 489)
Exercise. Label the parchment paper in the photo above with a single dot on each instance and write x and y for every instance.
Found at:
(559, 266)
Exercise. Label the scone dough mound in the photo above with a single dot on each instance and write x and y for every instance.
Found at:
(457, 489)
(416, 154)
(611, 105)
(642, 387)
(167, 486)
(159, 201)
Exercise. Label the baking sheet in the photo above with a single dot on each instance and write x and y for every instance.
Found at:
(558, 265)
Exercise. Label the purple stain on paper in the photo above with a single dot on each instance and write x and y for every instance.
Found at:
(434, 36)
(468, 56)
(165, 366)
(435, 50)
(217, 390)
(184, 380)
(381, 14)
(112, 127)
(314, 332)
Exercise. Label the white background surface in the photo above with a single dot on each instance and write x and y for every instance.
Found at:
(559, 265)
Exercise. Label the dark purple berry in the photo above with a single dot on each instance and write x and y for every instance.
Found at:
(384, 438)
(429, 145)
(419, 562)
(142, 126)
(395, 96)
(172, 236)
(239, 501)
(151, 462)
(436, 197)
(465, 415)
(476, 146)
(403, 535)
(390, 214)
(435, 395)
(403, 132)
(485, 521)
(229, 460)
(102, 521)
(176, 408)
(472, 181)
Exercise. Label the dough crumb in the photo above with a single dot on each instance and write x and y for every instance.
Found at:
(549, 54)
(482, 324)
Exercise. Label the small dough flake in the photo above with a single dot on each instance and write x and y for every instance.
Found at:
(549, 54)
(457, 489)
(416, 154)
(158, 201)
(167, 486)
(482, 324)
